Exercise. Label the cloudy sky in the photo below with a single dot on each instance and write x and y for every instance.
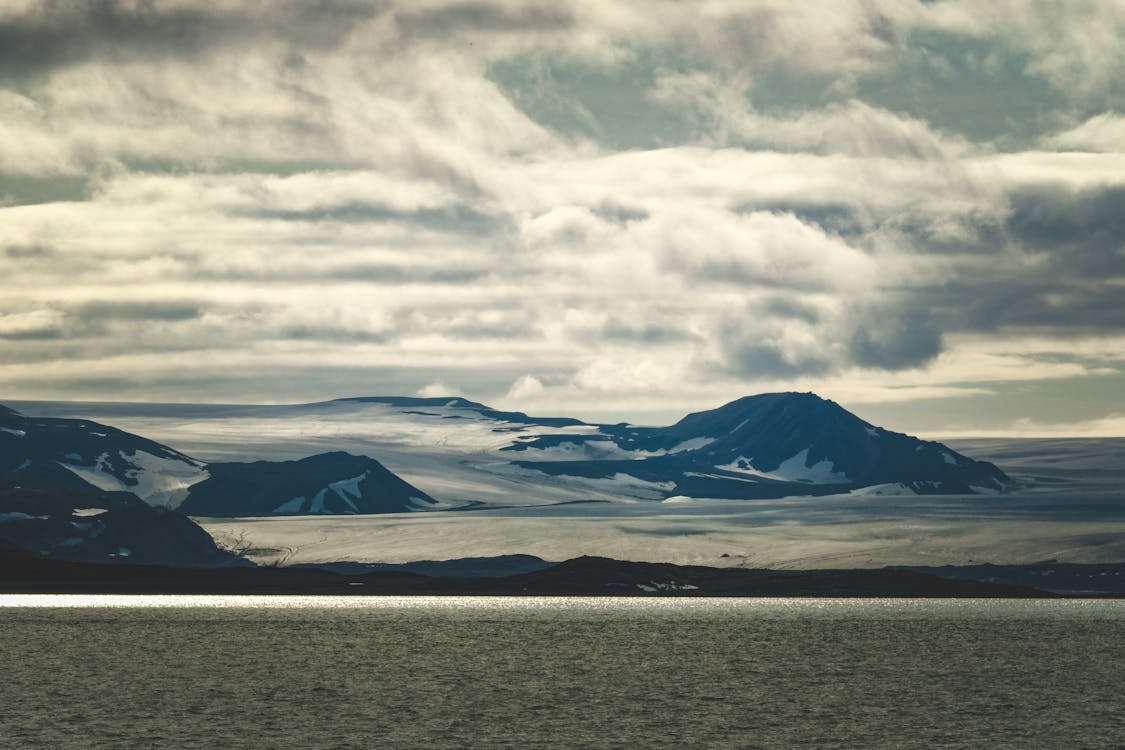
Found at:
(616, 210)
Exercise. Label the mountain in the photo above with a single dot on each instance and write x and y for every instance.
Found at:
(758, 447)
(80, 458)
(770, 445)
(92, 525)
(326, 484)
(76, 454)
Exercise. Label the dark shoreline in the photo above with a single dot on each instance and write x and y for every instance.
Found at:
(585, 576)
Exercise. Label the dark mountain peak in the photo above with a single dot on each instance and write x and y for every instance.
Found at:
(416, 401)
(326, 483)
(780, 413)
(457, 402)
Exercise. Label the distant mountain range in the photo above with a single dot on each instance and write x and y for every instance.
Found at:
(772, 445)
(767, 446)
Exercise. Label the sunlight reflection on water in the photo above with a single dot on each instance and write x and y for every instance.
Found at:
(608, 604)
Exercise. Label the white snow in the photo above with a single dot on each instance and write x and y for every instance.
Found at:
(625, 484)
(703, 475)
(590, 450)
(948, 458)
(348, 489)
(653, 586)
(871, 431)
(10, 431)
(692, 445)
(159, 481)
(317, 505)
(420, 504)
(24, 465)
(71, 542)
(88, 511)
(291, 506)
(792, 469)
(881, 490)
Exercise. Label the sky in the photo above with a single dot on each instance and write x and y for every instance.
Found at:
(610, 210)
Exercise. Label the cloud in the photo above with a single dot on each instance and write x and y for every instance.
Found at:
(436, 389)
(1103, 132)
(523, 387)
(256, 186)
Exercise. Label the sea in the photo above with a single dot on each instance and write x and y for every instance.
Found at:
(478, 672)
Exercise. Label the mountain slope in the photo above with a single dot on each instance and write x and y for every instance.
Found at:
(105, 527)
(326, 484)
(76, 454)
(80, 458)
(769, 445)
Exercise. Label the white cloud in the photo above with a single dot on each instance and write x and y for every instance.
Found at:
(346, 186)
(1104, 132)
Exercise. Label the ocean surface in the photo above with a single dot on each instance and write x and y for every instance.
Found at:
(468, 672)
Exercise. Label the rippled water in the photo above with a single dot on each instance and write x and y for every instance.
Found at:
(271, 672)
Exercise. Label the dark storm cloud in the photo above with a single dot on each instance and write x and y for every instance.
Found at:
(29, 251)
(894, 339)
(1084, 230)
(763, 358)
(890, 335)
(58, 33)
(109, 310)
(1057, 263)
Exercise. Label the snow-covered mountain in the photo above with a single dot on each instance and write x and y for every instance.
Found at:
(78, 456)
(465, 453)
(769, 445)
(326, 484)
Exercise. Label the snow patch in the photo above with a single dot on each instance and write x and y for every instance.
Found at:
(24, 465)
(291, 506)
(692, 445)
(348, 490)
(156, 480)
(84, 512)
(654, 586)
(881, 490)
(318, 502)
(624, 484)
(588, 450)
(948, 458)
(793, 469)
(10, 431)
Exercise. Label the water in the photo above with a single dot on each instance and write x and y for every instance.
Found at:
(464, 672)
